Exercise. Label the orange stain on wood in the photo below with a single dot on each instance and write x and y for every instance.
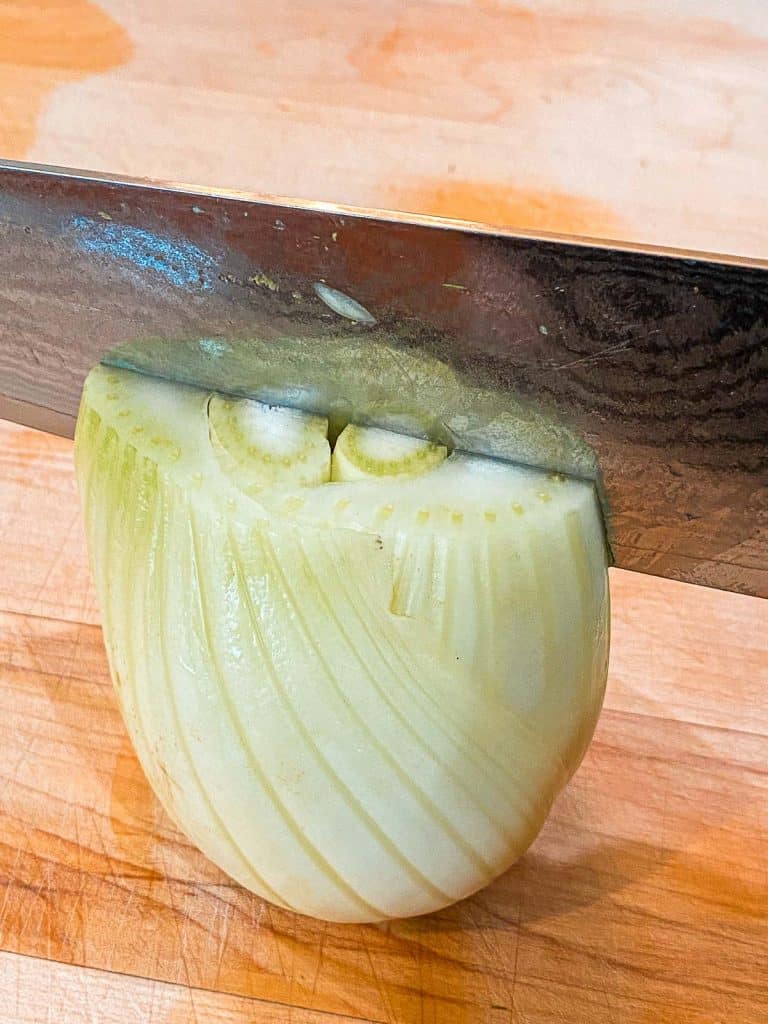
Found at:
(45, 44)
(496, 64)
(508, 206)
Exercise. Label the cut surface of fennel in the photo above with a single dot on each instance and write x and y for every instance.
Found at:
(358, 697)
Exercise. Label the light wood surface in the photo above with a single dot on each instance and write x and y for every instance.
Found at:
(642, 120)
(37, 990)
(645, 899)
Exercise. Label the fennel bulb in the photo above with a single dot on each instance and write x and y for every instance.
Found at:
(356, 680)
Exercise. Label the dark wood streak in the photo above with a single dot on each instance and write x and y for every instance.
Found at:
(659, 363)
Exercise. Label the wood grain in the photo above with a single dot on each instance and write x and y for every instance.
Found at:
(42, 546)
(642, 121)
(33, 990)
(644, 899)
(44, 46)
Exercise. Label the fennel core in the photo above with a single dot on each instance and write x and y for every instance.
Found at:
(366, 672)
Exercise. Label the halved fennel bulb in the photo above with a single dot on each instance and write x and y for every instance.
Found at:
(359, 698)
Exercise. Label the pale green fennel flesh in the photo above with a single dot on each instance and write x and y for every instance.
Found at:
(358, 696)
(369, 452)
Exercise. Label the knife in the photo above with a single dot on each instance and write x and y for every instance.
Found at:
(643, 369)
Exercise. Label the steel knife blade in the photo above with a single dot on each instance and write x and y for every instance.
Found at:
(644, 369)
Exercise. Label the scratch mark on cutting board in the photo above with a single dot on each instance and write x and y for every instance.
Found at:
(384, 995)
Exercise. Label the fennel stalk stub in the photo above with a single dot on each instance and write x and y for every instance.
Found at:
(356, 680)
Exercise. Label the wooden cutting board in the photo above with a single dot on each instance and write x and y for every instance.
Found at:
(645, 899)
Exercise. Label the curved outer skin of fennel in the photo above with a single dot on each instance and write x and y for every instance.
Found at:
(358, 699)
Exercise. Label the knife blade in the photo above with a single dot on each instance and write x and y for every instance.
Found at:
(643, 369)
